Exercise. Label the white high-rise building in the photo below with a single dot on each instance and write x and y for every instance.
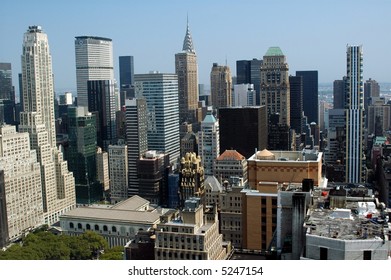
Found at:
(354, 115)
(94, 61)
(37, 118)
(209, 143)
(161, 94)
(21, 183)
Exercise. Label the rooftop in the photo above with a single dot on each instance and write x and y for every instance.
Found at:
(274, 51)
(231, 155)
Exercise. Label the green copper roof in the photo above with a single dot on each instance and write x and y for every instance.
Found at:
(274, 51)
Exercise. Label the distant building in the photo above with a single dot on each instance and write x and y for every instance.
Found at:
(126, 78)
(249, 72)
(296, 103)
(189, 143)
(243, 95)
(275, 90)
(310, 95)
(102, 168)
(221, 86)
(187, 70)
(94, 61)
(339, 93)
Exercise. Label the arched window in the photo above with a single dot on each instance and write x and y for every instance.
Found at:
(114, 229)
(79, 226)
(96, 227)
(71, 225)
(88, 227)
(105, 228)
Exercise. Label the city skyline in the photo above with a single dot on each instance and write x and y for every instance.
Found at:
(222, 33)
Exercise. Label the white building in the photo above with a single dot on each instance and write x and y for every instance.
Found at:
(102, 168)
(118, 165)
(20, 184)
(209, 143)
(161, 94)
(244, 95)
(94, 61)
(37, 118)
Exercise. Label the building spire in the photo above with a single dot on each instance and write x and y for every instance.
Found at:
(188, 42)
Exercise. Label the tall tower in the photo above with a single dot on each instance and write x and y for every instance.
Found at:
(221, 86)
(187, 71)
(275, 91)
(136, 139)
(354, 115)
(310, 95)
(94, 61)
(58, 184)
(102, 103)
(161, 93)
(209, 143)
(126, 78)
(296, 103)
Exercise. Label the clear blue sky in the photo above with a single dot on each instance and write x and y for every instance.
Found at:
(313, 34)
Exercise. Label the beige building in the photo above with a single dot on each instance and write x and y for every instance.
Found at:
(187, 70)
(20, 186)
(221, 86)
(213, 190)
(230, 164)
(284, 167)
(192, 236)
(102, 168)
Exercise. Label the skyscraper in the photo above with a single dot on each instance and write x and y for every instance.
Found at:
(249, 72)
(6, 89)
(339, 92)
(310, 95)
(81, 155)
(58, 184)
(102, 103)
(118, 157)
(136, 139)
(296, 103)
(126, 78)
(94, 61)
(221, 86)
(275, 91)
(161, 94)
(209, 143)
(354, 115)
(187, 70)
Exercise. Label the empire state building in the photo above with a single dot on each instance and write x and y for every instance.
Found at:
(37, 118)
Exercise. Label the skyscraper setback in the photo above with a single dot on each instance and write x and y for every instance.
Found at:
(94, 61)
(58, 184)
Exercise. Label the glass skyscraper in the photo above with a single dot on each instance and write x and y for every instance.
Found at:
(161, 94)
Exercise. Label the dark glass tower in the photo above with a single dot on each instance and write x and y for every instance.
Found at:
(339, 98)
(81, 155)
(126, 78)
(310, 95)
(249, 72)
(243, 129)
(296, 85)
(101, 102)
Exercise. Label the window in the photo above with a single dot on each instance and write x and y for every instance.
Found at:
(96, 227)
(71, 225)
(79, 226)
(88, 227)
(114, 229)
(104, 228)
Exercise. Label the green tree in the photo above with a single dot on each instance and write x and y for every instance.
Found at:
(115, 253)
